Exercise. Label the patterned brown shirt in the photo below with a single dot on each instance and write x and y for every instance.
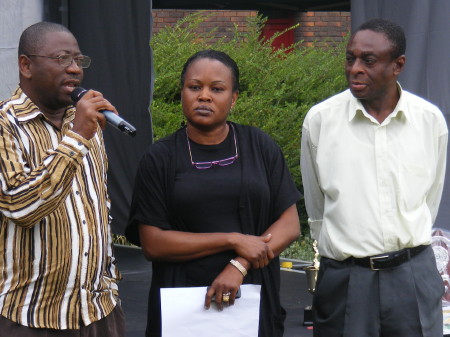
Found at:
(57, 268)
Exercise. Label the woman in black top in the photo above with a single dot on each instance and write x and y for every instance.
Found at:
(214, 203)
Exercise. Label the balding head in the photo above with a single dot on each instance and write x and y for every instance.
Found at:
(33, 38)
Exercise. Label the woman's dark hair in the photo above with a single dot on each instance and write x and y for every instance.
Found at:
(391, 30)
(33, 38)
(214, 55)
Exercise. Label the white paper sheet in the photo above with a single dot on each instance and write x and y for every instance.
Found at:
(183, 313)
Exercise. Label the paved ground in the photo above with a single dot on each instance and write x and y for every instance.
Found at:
(135, 285)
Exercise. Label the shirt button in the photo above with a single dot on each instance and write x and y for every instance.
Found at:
(72, 153)
(80, 143)
(84, 221)
(77, 193)
(85, 254)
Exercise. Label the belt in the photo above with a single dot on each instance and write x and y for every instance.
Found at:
(388, 260)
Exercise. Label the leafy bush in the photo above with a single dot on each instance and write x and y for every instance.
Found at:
(277, 87)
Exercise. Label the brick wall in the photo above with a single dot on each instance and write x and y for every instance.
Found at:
(224, 20)
(320, 27)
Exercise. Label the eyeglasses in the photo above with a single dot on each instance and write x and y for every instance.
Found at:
(203, 165)
(66, 60)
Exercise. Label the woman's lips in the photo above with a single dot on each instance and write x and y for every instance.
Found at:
(203, 110)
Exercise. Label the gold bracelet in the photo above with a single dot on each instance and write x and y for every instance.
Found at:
(239, 266)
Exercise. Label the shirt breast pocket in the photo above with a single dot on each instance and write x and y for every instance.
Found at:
(415, 182)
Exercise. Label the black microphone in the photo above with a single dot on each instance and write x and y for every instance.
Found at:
(116, 121)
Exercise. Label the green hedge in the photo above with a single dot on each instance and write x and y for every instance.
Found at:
(277, 87)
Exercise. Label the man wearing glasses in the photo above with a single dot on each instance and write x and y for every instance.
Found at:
(58, 275)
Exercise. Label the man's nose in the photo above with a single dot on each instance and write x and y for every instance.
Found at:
(356, 67)
(74, 67)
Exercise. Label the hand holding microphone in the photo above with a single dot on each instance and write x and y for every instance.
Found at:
(113, 119)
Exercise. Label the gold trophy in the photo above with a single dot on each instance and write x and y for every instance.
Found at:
(311, 279)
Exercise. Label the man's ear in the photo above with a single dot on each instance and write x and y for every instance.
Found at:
(25, 66)
(399, 64)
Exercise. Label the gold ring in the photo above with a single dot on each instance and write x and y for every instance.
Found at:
(226, 297)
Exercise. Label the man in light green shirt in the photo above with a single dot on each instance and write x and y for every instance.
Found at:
(373, 163)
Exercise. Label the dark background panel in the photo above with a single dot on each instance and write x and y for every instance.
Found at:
(116, 35)
(293, 5)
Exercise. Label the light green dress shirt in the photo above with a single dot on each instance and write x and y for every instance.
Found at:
(372, 188)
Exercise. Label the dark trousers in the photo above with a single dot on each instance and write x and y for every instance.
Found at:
(112, 325)
(355, 301)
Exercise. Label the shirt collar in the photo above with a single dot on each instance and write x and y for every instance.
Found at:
(399, 111)
(25, 110)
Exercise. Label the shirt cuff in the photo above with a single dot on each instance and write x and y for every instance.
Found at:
(74, 146)
(314, 227)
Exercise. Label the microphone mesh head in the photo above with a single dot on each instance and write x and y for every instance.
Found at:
(77, 93)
